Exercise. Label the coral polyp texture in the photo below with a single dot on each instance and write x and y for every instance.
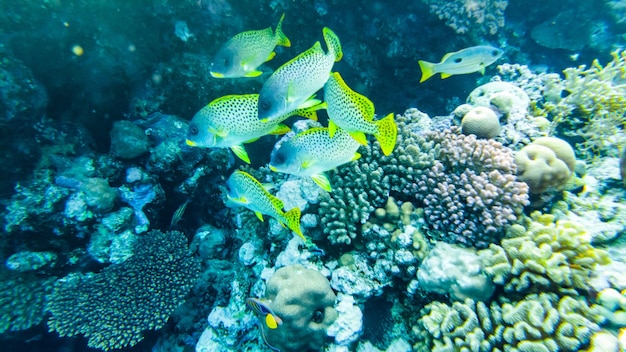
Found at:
(474, 16)
(113, 308)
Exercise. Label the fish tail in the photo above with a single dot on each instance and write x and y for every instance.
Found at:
(387, 133)
(292, 220)
(281, 38)
(428, 69)
(333, 43)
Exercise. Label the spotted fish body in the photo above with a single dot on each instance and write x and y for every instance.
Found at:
(468, 60)
(231, 121)
(293, 85)
(241, 55)
(312, 152)
(244, 190)
(354, 113)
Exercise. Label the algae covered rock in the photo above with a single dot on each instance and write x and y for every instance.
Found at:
(128, 141)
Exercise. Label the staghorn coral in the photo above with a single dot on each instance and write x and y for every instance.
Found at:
(470, 194)
(543, 255)
(113, 308)
(478, 17)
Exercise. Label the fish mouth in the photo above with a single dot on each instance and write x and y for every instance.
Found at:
(190, 143)
(273, 168)
(217, 74)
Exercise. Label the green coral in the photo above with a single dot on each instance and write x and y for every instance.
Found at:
(112, 308)
(22, 299)
(543, 255)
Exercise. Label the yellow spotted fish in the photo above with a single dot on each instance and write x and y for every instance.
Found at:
(294, 84)
(231, 121)
(245, 52)
(312, 152)
(468, 60)
(354, 113)
(244, 190)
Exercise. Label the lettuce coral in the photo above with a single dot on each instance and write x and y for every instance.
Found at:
(543, 255)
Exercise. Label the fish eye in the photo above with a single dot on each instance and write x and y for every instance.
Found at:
(278, 158)
(193, 130)
(458, 60)
(494, 53)
(318, 316)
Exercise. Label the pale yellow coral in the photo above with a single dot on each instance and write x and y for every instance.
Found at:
(543, 254)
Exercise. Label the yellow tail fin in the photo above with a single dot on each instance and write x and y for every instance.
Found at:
(387, 133)
(333, 43)
(292, 220)
(281, 38)
(428, 69)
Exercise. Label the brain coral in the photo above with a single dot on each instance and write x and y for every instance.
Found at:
(547, 163)
(113, 308)
(482, 122)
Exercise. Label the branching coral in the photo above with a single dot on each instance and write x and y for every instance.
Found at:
(113, 308)
(470, 194)
(479, 16)
(22, 299)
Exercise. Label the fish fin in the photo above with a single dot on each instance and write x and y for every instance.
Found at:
(270, 321)
(281, 38)
(332, 128)
(446, 56)
(356, 156)
(280, 129)
(255, 73)
(322, 181)
(445, 75)
(268, 186)
(359, 137)
(309, 108)
(309, 103)
(190, 143)
(387, 133)
(365, 106)
(241, 153)
(259, 215)
(292, 220)
(482, 70)
(217, 74)
(271, 56)
(333, 43)
(428, 69)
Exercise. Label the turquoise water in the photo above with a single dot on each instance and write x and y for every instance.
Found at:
(122, 231)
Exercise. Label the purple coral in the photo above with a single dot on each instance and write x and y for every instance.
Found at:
(470, 194)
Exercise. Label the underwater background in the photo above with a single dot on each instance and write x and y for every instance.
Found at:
(497, 223)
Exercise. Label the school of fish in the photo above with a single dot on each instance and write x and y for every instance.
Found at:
(234, 120)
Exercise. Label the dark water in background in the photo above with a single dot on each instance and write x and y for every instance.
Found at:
(133, 64)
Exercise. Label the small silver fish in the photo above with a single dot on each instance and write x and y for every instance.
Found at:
(178, 214)
(468, 60)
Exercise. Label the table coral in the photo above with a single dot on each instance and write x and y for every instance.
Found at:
(113, 308)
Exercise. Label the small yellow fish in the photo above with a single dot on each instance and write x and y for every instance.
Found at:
(293, 85)
(354, 113)
(312, 152)
(468, 60)
(245, 52)
(231, 121)
(246, 191)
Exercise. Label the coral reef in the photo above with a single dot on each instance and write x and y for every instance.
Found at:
(113, 308)
(479, 17)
